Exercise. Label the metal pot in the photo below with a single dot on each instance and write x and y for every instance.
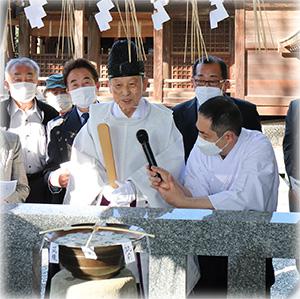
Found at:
(109, 262)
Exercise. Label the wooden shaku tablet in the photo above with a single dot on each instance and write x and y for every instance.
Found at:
(108, 155)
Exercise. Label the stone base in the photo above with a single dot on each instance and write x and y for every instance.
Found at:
(65, 286)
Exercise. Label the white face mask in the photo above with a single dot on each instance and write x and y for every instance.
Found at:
(61, 102)
(83, 97)
(204, 93)
(23, 92)
(209, 148)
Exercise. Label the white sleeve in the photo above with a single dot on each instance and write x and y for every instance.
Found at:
(256, 183)
(171, 159)
(87, 173)
(196, 176)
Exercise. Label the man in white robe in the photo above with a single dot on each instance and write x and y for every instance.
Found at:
(128, 113)
(229, 168)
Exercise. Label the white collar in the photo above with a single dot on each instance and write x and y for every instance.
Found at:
(14, 108)
(79, 112)
(139, 112)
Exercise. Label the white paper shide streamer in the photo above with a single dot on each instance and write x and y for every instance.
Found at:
(160, 16)
(217, 15)
(35, 12)
(104, 17)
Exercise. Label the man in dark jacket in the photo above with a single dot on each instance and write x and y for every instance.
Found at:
(81, 80)
(291, 154)
(27, 117)
(209, 80)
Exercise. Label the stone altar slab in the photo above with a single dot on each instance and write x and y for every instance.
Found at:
(247, 238)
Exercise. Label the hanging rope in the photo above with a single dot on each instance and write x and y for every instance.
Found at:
(197, 44)
(66, 25)
(186, 30)
(131, 20)
(9, 21)
(137, 30)
(260, 15)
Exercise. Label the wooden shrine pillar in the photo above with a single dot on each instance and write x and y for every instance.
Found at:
(240, 54)
(167, 49)
(33, 47)
(24, 36)
(93, 42)
(78, 30)
(158, 65)
(3, 44)
(10, 52)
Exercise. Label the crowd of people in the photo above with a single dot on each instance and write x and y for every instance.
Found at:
(210, 150)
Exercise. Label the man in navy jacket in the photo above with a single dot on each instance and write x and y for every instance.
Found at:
(81, 80)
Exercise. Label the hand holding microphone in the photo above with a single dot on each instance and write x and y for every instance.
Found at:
(142, 137)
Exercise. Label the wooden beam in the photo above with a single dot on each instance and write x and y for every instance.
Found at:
(93, 41)
(240, 53)
(78, 32)
(158, 65)
(24, 36)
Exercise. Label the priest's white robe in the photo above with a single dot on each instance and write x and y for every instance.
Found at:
(247, 179)
(88, 174)
(89, 178)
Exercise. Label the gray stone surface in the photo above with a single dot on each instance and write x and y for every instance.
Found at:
(251, 235)
(274, 130)
(161, 283)
(286, 279)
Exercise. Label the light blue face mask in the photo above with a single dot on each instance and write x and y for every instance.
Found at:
(209, 148)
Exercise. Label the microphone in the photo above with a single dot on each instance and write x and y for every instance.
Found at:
(142, 137)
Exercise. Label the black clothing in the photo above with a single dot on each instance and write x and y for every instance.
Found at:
(185, 117)
(59, 148)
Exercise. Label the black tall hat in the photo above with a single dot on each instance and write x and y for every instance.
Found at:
(118, 61)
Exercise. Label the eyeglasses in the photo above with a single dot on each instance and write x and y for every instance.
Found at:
(212, 83)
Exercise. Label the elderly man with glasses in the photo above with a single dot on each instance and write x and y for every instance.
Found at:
(209, 80)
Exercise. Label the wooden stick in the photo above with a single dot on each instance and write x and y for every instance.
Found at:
(107, 151)
(106, 228)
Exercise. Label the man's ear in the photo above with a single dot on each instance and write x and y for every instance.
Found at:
(109, 86)
(6, 85)
(230, 136)
(145, 83)
(193, 82)
(226, 86)
(97, 85)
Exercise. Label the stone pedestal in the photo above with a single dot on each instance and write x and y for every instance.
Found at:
(65, 286)
(247, 238)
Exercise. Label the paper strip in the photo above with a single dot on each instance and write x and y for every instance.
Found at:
(54, 253)
(128, 252)
(218, 14)
(89, 252)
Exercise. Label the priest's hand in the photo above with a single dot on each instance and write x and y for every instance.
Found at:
(121, 196)
(59, 178)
